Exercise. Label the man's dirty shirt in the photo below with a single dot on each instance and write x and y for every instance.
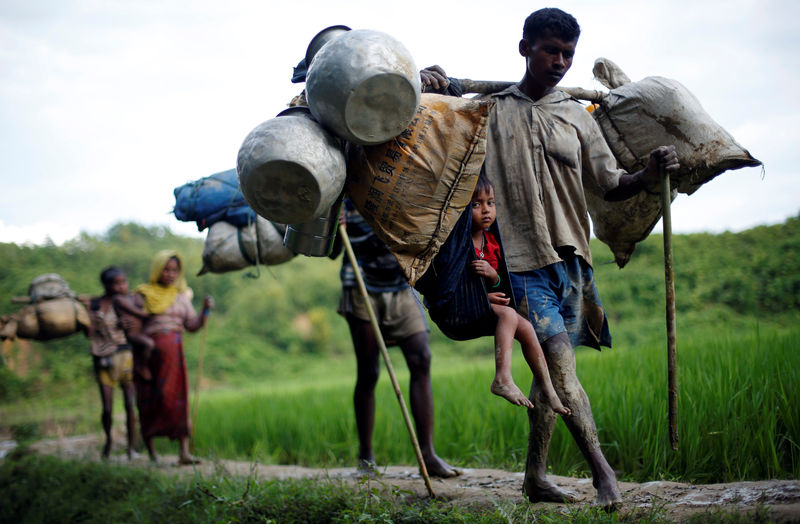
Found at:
(538, 156)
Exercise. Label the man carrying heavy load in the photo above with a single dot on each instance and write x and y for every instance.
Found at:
(402, 323)
(541, 147)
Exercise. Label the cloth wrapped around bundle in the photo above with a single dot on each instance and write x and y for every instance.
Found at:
(213, 199)
(413, 188)
(53, 312)
(637, 117)
(49, 319)
(230, 248)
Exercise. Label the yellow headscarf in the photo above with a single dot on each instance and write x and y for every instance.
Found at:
(158, 297)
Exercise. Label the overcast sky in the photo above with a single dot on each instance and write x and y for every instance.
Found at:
(107, 106)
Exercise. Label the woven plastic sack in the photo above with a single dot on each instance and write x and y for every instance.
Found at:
(231, 248)
(637, 117)
(412, 189)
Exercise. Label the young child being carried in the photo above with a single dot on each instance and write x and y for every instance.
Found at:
(132, 318)
(510, 324)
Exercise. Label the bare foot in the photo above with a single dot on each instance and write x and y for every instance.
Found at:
(608, 495)
(511, 393)
(546, 491)
(556, 405)
(367, 468)
(437, 467)
(188, 460)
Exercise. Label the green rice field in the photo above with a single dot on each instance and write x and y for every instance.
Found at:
(738, 417)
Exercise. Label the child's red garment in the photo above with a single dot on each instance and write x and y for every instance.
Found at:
(490, 251)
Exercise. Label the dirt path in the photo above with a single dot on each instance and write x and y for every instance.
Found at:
(780, 498)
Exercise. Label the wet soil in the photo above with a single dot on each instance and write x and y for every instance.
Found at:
(777, 500)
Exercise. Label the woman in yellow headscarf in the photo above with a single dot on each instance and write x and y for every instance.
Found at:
(163, 401)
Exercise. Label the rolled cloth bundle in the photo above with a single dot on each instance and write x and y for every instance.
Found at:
(212, 199)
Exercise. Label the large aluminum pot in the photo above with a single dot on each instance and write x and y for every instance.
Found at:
(364, 86)
(291, 170)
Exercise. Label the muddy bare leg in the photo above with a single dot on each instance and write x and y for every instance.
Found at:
(418, 358)
(503, 384)
(561, 362)
(541, 420)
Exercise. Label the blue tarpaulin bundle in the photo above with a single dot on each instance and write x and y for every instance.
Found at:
(212, 199)
(457, 298)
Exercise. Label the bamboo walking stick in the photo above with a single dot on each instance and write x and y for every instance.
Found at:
(382, 345)
(669, 278)
(197, 386)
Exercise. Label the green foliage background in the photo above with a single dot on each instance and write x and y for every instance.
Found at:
(279, 367)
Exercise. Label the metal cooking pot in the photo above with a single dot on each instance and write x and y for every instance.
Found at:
(315, 238)
(322, 38)
(364, 86)
(291, 170)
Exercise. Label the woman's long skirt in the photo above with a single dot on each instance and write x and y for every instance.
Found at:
(163, 402)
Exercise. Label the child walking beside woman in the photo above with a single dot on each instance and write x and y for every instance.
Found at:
(510, 324)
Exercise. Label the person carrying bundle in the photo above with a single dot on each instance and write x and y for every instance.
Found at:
(402, 323)
(113, 360)
(541, 146)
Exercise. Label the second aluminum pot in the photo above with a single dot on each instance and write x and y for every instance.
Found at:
(291, 170)
(364, 86)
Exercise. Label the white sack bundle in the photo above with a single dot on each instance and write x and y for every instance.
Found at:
(637, 117)
(230, 248)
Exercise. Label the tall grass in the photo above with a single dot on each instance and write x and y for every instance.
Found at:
(738, 417)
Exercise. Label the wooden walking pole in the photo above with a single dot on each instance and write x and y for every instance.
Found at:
(382, 345)
(197, 386)
(669, 278)
(487, 87)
